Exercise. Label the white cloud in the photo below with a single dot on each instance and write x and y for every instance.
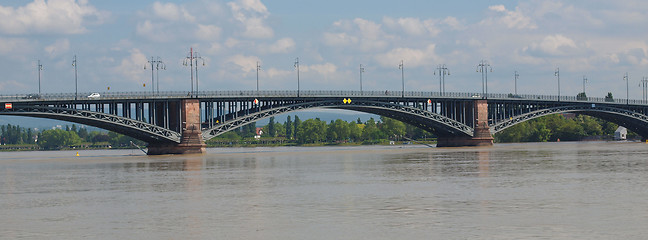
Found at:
(555, 45)
(252, 13)
(10, 45)
(172, 12)
(131, 66)
(411, 57)
(323, 69)
(454, 23)
(58, 47)
(208, 32)
(511, 19)
(278, 73)
(339, 39)
(245, 64)
(365, 34)
(412, 26)
(52, 17)
(283, 45)
(232, 42)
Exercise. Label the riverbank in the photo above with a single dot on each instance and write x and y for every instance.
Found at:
(221, 144)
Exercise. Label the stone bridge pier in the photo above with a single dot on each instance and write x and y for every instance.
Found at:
(191, 141)
(481, 134)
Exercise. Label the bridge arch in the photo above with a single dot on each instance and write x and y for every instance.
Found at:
(634, 121)
(133, 128)
(430, 121)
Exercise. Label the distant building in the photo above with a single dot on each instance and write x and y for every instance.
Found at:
(259, 132)
(621, 133)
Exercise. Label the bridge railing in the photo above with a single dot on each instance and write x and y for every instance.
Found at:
(309, 93)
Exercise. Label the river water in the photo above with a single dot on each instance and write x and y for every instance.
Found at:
(581, 190)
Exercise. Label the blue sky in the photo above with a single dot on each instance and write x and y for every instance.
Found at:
(113, 40)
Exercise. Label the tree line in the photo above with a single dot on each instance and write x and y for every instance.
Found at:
(315, 131)
(557, 127)
(62, 138)
(309, 131)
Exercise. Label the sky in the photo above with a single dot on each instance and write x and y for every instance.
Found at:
(113, 40)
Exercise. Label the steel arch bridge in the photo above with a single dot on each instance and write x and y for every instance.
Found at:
(504, 114)
(180, 122)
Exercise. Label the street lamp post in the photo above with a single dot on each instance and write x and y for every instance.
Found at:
(159, 65)
(192, 60)
(627, 79)
(584, 81)
(156, 64)
(76, 89)
(516, 78)
(443, 71)
(40, 67)
(258, 67)
(484, 67)
(297, 67)
(402, 68)
(644, 84)
(361, 71)
(557, 74)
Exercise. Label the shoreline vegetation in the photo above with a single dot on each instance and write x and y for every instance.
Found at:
(314, 132)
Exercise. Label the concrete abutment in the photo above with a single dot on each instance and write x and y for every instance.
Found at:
(481, 134)
(191, 141)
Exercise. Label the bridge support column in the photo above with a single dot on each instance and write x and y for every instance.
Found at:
(191, 141)
(481, 134)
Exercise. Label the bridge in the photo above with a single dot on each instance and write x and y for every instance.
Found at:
(181, 122)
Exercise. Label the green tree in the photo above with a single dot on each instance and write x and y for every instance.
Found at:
(338, 130)
(280, 130)
(355, 131)
(569, 131)
(83, 133)
(289, 128)
(296, 124)
(271, 127)
(311, 131)
(391, 127)
(370, 131)
(96, 137)
(609, 97)
(581, 96)
(57, 139)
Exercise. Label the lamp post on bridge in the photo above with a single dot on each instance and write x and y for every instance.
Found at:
(361, 71)
(644, 84)
(76, 89)
(258, 67)
(483, 67)
(627, 79)
(557, 74)
(191, 59)
(516, 78)
(297, 67)
(584, 81)
(402, 68)
(40, 67)
(443, 71)
(156, 64)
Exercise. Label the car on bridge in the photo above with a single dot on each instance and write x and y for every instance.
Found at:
(94, 95)
(32, 96)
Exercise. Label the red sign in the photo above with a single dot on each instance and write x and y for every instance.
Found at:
(8, 106)
(256, 101)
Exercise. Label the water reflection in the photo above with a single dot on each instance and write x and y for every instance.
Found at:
(484, 163)
(505, 192)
